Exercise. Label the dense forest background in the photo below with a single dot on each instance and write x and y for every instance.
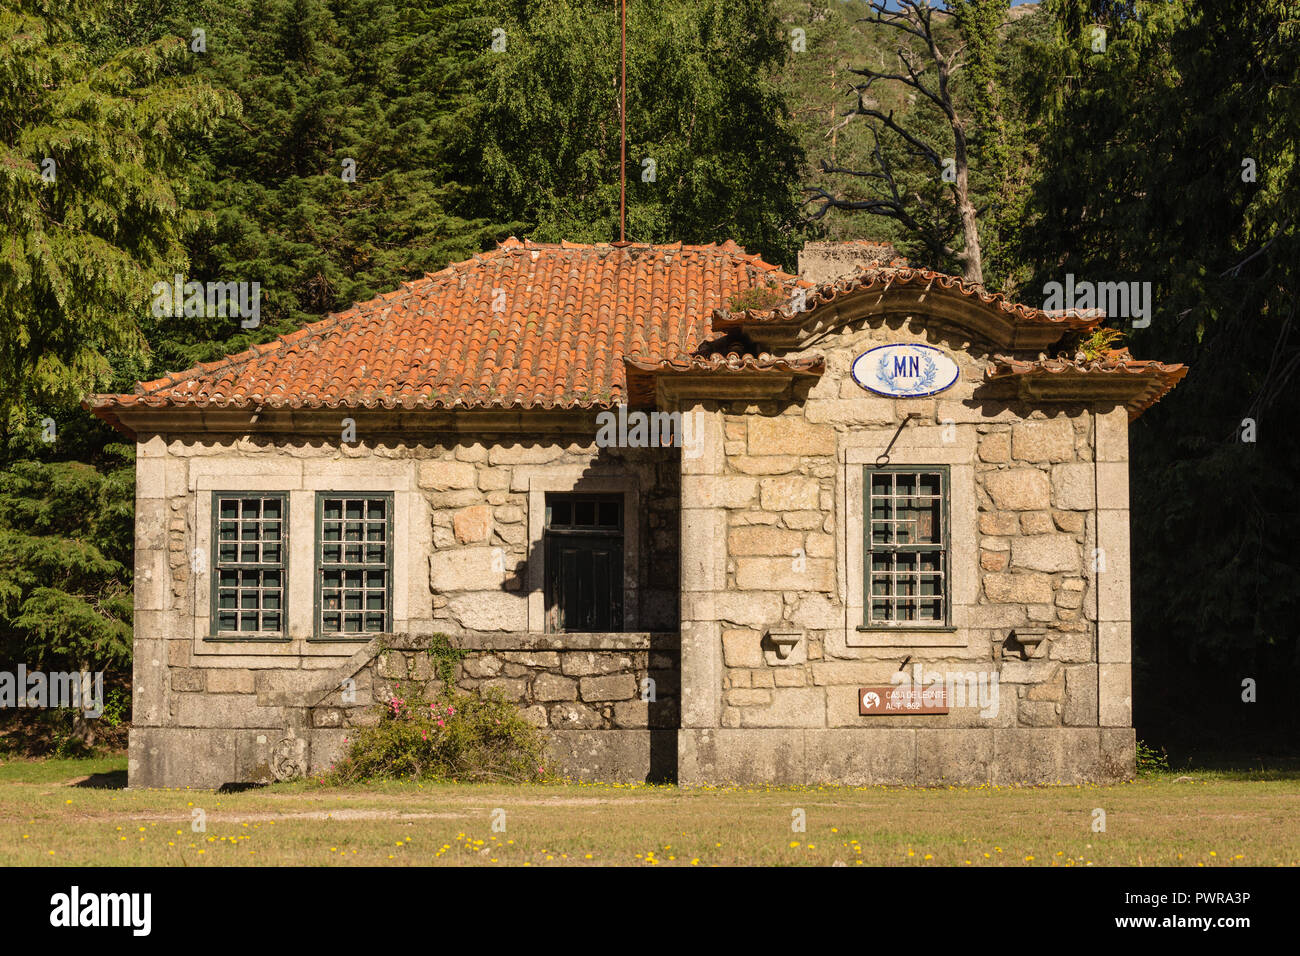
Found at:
(1141, 141)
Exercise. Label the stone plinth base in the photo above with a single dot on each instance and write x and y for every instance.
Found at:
(903, 757)
(209, 758)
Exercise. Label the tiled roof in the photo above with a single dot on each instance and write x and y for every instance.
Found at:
(563, 325)
(525, 325)
(1138, 384)
(886, 277)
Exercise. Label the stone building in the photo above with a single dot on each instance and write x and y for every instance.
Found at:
(702, 519)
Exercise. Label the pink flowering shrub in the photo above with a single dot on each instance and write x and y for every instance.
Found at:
(458, 736)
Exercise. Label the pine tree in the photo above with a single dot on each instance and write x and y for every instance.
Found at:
(711, 151)
(65, 567)
(92, 197)
(339, 180)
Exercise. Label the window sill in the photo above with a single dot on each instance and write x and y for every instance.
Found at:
(246, 639)
(912, 637)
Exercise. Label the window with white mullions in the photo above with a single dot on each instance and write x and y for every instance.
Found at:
(354, 565)
(249, 564)
(907, 546)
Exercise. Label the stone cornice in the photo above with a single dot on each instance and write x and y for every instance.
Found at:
(369, 422)
(1122, 380)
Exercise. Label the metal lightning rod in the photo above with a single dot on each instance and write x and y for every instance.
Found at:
(622, 181)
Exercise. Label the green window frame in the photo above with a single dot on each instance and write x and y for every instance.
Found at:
(250, 566)
(907, 547)
(354, 565)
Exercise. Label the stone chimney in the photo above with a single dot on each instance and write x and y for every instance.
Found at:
(825, 261)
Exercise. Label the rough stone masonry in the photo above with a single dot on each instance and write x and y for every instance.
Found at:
(743, 572)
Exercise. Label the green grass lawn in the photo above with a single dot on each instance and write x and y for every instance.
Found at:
(75, 812)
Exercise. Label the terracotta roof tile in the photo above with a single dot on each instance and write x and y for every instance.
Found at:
(525, 325)
(1139, 384)
(893, 276)
(730, 362)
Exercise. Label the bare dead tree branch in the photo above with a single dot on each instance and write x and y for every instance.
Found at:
(894, 206)
(929, 75)
(920, 147)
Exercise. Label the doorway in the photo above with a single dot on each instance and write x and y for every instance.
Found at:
(583, 541)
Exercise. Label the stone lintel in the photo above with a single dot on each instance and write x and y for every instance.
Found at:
(724, 386)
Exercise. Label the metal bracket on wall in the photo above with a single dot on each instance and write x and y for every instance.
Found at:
(883, 458)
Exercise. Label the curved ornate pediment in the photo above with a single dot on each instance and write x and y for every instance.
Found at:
(990, 317)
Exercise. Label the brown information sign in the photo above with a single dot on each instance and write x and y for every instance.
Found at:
(901, 700)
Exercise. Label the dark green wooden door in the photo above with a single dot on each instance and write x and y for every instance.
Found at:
(584, 563)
